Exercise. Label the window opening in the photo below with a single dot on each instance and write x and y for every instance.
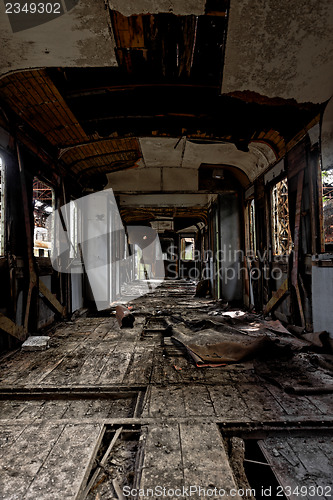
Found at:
(282, 243)
(43, 200)
(187, 248)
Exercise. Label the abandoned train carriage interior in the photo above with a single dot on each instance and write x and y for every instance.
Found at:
(199, 136)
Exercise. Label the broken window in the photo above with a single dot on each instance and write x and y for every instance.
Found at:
(2, 207)
(43, 199)
(327, 177)
(281, 237)
(187, 248)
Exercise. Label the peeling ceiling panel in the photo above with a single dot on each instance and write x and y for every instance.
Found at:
(185, 7)
(80, 37)
(253, 162)
(280, 49)
(138, 180)
(173, 152)
(162, 152)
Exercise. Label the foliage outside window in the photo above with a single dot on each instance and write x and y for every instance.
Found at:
(327, 179)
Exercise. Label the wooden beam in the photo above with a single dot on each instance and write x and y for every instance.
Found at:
(277, 296)
(51, 298)
(27, 223)
(7, 325)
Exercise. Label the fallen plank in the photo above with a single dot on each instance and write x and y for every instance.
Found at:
(124, 317)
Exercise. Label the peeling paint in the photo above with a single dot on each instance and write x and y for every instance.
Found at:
(280, 49)
(180, 164)
(80, 37)
(180, 8)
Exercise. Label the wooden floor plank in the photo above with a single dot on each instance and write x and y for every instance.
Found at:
(164, 370)
(8, 436)
(48, 363)
(198, 402)
(324, 402)
(260, 402)
(162, 464)
(66, 467)
(167, 402)
(311, 455)
(92, 363)
(15, 368)
(11, 409)
(140, 368)
(22, 462)
(114, 370)
(66, 372)
(205, 460)
(229, 403)
(291, 403)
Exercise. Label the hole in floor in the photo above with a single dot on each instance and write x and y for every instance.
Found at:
(259, 473)
(115, 463)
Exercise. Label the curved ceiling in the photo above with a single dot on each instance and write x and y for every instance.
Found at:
(154, 101)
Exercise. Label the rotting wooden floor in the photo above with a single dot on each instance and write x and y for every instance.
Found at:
(60, 408)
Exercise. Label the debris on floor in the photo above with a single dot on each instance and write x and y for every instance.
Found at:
(124, 317)
(204, 352)
(36, 343)
(114, 465)
(302, 376)
(202, 288)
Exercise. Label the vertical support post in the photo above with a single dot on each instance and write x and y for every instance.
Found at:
(294, 272)
(26, 208)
